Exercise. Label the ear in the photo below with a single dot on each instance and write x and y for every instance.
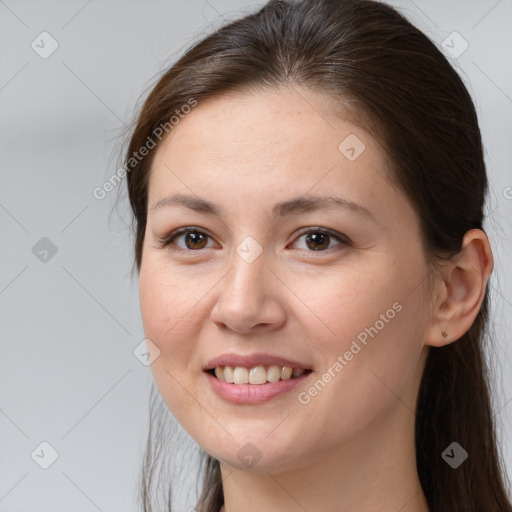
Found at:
(460, 289)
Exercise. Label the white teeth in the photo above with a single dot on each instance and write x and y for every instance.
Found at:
(219, 373)
(240, 375)
(286, 373)
(273, 373)
(228, 373)
(256, 375)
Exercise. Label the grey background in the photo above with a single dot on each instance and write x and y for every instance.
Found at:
(70, 324)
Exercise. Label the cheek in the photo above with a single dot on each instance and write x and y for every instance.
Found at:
(344, 303)
(168, 320)
(166, 294)
(168, 309)
(368, 328)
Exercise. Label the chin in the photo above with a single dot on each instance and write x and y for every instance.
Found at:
(258, 455)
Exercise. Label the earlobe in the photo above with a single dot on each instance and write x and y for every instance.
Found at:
(462, 284)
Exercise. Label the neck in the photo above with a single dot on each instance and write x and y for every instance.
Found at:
(377, 472)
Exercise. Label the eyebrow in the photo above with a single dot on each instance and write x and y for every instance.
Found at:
(292, 206)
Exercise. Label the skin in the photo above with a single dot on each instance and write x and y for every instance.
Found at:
(351, 447)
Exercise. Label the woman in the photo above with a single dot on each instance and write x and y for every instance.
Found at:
(308, 186)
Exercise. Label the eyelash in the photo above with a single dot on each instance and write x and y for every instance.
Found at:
(165, 242)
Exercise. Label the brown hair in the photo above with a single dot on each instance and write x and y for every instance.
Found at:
(420, 110)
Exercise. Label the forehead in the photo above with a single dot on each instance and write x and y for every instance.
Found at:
(269, 119)
(266, 146)
(256, 131)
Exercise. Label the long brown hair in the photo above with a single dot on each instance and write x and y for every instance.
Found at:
(418, 107)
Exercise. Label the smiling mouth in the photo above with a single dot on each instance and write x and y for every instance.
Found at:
(256, 375)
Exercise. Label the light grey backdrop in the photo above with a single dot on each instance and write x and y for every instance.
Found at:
(70, 319)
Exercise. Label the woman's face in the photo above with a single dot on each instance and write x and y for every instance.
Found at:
(351, 306)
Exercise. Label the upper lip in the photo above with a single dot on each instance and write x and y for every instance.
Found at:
(251, 361)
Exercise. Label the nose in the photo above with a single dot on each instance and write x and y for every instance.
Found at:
(249, 297)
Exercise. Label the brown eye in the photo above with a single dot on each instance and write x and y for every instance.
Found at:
(320, 240)
(193, 239)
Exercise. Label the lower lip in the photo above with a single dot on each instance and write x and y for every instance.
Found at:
(253, 393)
